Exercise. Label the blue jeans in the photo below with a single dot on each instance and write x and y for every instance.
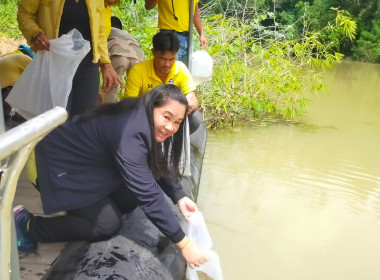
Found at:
(183, 52)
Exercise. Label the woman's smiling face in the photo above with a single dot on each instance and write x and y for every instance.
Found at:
(167, 119)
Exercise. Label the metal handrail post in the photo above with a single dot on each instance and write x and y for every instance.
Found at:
(190, 44)
(16, 145)
(2, 123)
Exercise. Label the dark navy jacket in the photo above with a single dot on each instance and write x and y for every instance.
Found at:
(81, 162)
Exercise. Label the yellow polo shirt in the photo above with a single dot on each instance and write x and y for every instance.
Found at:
(142, 78)
(181, 9)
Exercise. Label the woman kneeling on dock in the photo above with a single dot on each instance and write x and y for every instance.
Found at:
(105, 163)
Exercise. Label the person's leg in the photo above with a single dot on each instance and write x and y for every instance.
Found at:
(97, 221)
(6, 107)
(183, 52)
(124, 199)
(11, 119)
(121, 64)
(133, 62)
(85, 89)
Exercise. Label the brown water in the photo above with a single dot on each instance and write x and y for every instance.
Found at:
(301, 202)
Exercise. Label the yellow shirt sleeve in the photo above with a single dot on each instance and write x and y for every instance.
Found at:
(184, 79)
(107, 20)
(134, 82)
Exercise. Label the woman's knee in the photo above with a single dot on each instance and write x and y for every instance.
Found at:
(107, 228)
(104, 217)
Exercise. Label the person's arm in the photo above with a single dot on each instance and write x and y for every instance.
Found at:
(187, 87)
(26, 14)
(102, 38)
(187, 207)
(192, 253)
(110, 77)
(131, 157)
(150, 4)
(172, 188)
(198, 25)
(192, 102)
(41, 41)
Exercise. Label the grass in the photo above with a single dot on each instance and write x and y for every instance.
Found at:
(8, 20)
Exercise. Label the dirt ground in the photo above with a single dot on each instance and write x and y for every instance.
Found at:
(8, 45)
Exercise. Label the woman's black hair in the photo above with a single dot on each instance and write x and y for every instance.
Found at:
(161, 159)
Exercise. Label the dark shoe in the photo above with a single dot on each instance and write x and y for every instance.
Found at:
(24, 242)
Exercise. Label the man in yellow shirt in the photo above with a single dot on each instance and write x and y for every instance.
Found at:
(162, 69)
(173, 16)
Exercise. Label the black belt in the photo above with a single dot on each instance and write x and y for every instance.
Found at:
(184, 33)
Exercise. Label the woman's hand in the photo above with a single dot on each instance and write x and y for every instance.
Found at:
(41, 41)
(187, 207)
(192, 253)
(110, 77)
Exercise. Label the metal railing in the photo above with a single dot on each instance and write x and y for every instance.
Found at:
(15, 147)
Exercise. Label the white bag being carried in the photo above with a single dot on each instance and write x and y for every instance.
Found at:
(47, 80)
(201, 67)
(197, 232)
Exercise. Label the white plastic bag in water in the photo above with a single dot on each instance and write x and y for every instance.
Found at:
(197, 232)
(47, 80)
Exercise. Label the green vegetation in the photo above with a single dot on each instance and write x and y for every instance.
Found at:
(263, 68)
(8, 22)
(259, 71)
(313, 15)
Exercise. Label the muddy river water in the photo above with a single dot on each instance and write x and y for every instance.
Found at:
(301, 202)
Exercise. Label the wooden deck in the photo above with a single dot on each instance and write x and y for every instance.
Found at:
(34, 266)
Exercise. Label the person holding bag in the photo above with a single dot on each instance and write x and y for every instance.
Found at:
(106, 162)
(42, 20)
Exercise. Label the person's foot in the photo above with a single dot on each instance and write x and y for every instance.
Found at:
(24, 242)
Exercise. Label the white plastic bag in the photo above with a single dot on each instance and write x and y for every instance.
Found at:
(197, 232)
(201, 67)
(47, 80)
(184, 164)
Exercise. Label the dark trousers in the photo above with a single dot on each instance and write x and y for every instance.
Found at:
(97, 221)
(85, 89)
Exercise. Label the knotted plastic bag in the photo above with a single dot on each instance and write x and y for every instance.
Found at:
(197, 232)
(47, 80)
(201, 67)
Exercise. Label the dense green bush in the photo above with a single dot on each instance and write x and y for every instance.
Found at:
(367, 47)
(260, 73)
